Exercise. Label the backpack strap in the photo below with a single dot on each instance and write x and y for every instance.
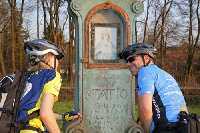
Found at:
(26, 126)
(20, 89)
(34, 114)
(38, 130)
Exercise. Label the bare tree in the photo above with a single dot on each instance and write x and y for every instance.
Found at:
(12, 4)
(21, 39)
(1, 56)
(38, 30)
(16, 21)
(44, 16)
(146, 21)
(4, 20)
(52, 10)
(160, 28)
(193, 39)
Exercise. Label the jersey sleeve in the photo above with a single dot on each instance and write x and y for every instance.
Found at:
(53, 86)
(145, 82)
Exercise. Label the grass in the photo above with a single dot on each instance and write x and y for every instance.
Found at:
(194, 108)
(61, 107)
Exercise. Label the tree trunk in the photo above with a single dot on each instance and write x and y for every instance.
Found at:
(13, 34)
(1, 55)
(21, 49)
(38, 24)
(192, 45)
(162, 34)
(146, 22)
(45, 18)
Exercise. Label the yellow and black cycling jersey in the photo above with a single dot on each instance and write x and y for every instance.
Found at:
(49, 81)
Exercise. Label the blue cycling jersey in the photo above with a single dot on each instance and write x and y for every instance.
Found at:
(165, 90)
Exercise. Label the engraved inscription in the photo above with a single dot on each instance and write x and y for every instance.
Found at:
(108, 108)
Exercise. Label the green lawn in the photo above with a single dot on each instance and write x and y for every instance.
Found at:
(194, 109)
(61, 107)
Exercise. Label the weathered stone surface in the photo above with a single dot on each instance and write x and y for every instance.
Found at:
(104, 91)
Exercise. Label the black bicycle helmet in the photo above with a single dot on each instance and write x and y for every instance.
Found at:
(138, 49)
(5, 82)
(36, 49)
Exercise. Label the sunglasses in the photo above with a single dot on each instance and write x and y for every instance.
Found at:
(131, 59)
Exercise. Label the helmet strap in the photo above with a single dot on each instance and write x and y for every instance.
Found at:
(143, 59)
(47, 64)
(54, 62)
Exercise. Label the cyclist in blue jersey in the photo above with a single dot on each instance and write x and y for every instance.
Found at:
(160, 99)
(35, 112)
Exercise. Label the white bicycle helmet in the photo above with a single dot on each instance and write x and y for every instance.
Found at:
(36, 49)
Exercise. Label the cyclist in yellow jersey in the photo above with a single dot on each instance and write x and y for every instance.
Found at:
(35, 113)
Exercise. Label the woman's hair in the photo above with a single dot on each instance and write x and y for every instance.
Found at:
(42, 64)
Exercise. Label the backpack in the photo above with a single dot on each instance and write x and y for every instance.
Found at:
(14, 87)
(189, 123)
(194, 123)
